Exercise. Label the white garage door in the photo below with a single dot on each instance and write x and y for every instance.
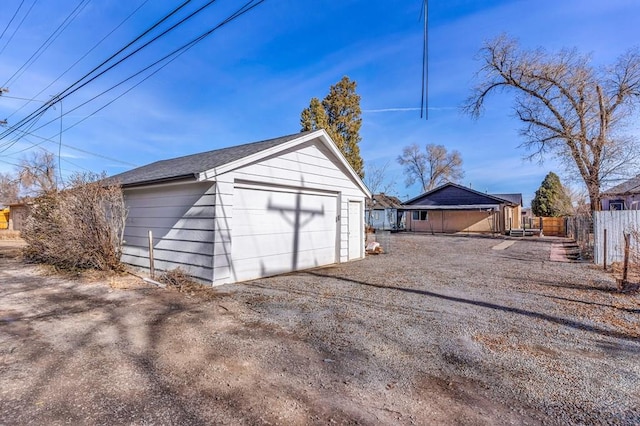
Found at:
(278, 231)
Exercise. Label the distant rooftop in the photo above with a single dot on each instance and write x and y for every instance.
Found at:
(631, 186)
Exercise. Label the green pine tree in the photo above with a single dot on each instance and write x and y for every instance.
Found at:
(339, 114)
(552, 198)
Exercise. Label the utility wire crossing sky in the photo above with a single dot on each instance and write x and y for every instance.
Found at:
(109, 85)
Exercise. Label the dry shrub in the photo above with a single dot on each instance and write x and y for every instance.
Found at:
(634, 254)
(78, 228)
(180, 280)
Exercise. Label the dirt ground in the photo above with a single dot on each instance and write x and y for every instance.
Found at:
(441, 330)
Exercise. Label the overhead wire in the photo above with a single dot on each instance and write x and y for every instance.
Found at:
(95, 46)
(18, 27)
(12, 18)
(39, 146)
(74, 148)
(176, 53)
(424, 101)
(45, 45)
(50, 103)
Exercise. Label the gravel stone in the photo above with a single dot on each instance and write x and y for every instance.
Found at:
(442, 330)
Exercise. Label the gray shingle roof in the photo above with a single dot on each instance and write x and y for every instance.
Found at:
(189, 166)
(513, 198)
(383, 201)
(453, 194)
(631, 186)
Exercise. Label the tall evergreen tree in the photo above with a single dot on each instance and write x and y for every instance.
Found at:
(551, 199)
(339, 114)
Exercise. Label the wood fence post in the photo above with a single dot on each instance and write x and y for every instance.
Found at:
(151, 268)
(605, 249)
(625, 268)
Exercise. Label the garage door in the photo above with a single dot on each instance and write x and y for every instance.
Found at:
(276, 231)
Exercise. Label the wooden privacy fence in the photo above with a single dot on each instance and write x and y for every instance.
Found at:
(554, 226)
(617, 223)
(551, 226)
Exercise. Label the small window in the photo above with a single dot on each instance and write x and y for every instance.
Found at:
(616, 205)
(376, 215)
(420, 215)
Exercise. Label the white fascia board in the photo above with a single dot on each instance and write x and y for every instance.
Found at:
(217, 171)
(324, 137)
(319, 134)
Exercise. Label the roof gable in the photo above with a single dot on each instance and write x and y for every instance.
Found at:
(451, 194)
(208, 165)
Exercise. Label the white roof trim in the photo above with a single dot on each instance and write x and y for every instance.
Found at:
(321, 134)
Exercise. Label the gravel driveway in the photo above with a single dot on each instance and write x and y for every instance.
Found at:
(443, 330)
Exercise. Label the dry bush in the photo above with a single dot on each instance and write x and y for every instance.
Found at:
(180, 280)
(78, 228)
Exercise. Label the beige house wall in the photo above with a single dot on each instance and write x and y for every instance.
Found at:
(512, 217)
(443, 221)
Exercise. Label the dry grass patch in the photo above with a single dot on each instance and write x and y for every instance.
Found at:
(179, 280)
(5, 234)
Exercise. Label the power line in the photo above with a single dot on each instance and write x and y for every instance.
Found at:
(11, 20)
(84, 151)
(424, 101)
(45, 45)
(18, 27)
(177, 52)
(78, 60)
(64, 93)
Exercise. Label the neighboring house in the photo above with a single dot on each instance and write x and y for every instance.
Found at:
(625, 196)
(385, 212)
(247, 211)
(454, 208)
(18, 214)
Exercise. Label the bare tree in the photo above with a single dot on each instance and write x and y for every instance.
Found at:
(433, 167)
(568, 108)
(9, 188)
(37, 173)
(377, 179)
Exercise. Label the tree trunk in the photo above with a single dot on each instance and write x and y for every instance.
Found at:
(594, 198)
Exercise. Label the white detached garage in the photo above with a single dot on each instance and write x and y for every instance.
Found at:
(247, 211)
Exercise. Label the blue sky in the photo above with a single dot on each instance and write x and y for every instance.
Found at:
(251, 79)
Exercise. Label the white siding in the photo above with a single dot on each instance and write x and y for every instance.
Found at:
(181, 218)
(308, 166)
